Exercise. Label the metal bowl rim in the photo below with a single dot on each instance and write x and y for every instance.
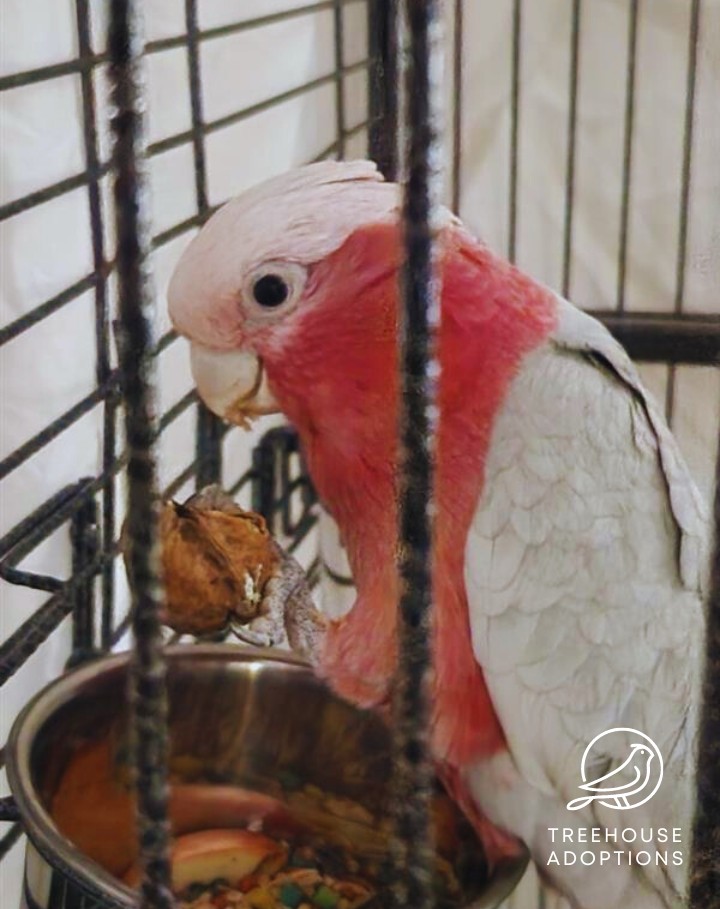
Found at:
(61, 853)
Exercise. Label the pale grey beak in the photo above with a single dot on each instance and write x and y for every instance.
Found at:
(233, 384)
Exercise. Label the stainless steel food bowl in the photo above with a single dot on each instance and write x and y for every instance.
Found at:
(240, 720)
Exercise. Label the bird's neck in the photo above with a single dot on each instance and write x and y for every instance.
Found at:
(492, 317)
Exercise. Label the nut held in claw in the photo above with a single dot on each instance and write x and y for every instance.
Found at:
(217, 559)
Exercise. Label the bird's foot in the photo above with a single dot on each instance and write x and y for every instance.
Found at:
(288, 616)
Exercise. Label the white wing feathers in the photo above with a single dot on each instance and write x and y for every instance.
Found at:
(583, 572)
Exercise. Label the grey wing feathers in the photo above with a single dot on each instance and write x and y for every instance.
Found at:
(579, 332)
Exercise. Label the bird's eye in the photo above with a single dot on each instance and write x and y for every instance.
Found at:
(270, 291)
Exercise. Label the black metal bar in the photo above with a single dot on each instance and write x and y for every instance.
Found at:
(41, 522)
(571, 147)
(670, 395)
(45, 73)
(8, 810)
(383, 94)
(121, 628)
(301, 533)
(103, 366)
(212, 126)
(71, 67)
(180, 480)
(208, 447)
(165, 341)
(147, 669)
(208, 435)
(233, 28)
(419, 323)
(339, 80)
(196, 110)
(334, 147)
(627, 151)
(457, 103)
(54, 429)
(664, 339)
(30, 579)
(9, 839)
(26, 639)
(273, 486)
(514, 129)
(243, 480)
(693, 42)
(177, 230)
(86, 543)
(30, 635)
(704, 863)
(178, 408)
(26, 321)
(48, 193)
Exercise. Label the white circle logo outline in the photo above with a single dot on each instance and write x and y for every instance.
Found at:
(656, 752)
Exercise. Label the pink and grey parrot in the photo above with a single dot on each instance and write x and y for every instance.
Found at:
(569, 537)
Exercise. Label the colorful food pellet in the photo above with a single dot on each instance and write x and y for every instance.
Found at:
(325, 898)
(291, 895)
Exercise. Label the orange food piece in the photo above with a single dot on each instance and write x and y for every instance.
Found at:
(205, 856)
(93, 808)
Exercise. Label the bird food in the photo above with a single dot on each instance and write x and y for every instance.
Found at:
(313, 851)
(307, 879)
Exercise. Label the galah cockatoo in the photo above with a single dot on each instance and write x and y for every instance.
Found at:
(568, 534)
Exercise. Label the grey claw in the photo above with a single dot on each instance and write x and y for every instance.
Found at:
(254, 638)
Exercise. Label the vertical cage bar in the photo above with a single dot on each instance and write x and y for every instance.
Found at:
(571, 147)
(457, 104)
(629, 123)
(138, 365)
(514, 128)
(670, 395)
(85, 540)
(704, 862)
(383, 94)
(419, 324)
(102, 320)
(693, 42)
(339, 80)
(208, 427)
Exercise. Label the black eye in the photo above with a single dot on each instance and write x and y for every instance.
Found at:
(270, 290)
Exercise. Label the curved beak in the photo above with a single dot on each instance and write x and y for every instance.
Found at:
(233, 384)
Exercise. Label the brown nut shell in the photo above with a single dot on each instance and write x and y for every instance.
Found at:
(216, 560)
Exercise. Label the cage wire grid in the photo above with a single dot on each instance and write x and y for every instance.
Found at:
(88, 509)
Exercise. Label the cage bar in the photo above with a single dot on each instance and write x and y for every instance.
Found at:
(514, 129)
(148, 695)
(419, 324)
(705, 860)
(630, 80)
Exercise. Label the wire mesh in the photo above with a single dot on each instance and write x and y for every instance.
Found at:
(88, 510)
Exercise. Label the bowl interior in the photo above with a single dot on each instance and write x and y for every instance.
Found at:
(241, 722)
